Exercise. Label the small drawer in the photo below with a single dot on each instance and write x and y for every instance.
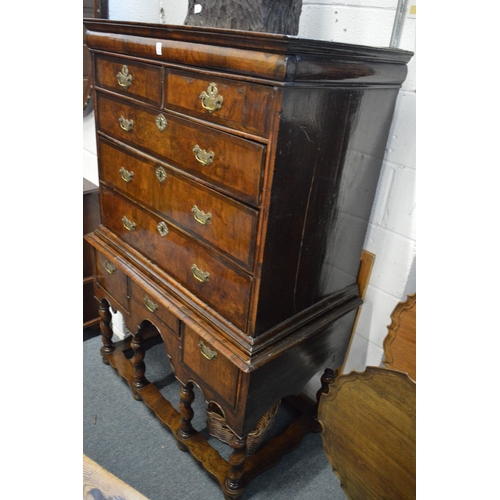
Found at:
(136, 318)
(212, 368)
(112, 279)
(239, 105)
(154, 305)
(130, 78)
(229, 163)
(212, 278)
(216, 219)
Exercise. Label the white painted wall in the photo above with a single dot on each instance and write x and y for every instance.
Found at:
(392, 230)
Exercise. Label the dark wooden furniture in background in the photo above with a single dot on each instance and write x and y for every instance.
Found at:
(237, 176)
(91, 219)
(98, 9)
(368, 419)
(268, 16)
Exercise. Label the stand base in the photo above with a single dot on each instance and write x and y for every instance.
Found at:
(210, 459)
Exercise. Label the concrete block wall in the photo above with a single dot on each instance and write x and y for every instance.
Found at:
(392, 228)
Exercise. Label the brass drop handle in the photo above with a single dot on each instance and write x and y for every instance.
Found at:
(128, 224)
(124, 78)
(200, 275)
(200, 216)
(207, 352)
(150, 304)
(126, 175)
(210, 100)
(125, 124)
(204, 157)
(110, 268)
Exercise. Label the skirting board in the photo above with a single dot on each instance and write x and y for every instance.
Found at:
(365, 271)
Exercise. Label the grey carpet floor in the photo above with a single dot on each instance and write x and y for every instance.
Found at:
(123, 436)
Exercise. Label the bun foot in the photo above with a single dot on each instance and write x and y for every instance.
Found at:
(181, 446)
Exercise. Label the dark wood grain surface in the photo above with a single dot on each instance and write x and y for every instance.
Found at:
(91, 219)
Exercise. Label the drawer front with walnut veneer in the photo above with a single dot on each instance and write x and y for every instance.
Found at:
(112, 279)
(153, 303)
(237, 176)
(239, 105)
(209, 366)
(130, 78)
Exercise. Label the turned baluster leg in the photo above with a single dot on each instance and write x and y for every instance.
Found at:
(106, 331)
(186, 413)
(327, 378)
(234, 485)
(138, 363)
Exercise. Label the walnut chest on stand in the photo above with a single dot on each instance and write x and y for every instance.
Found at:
(237, 175)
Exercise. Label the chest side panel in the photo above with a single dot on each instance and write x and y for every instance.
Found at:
(328, 158)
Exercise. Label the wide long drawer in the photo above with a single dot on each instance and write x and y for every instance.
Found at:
(211, 277)
(230, 163)
(216, 219)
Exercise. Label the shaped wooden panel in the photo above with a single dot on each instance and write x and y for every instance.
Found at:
(369, 433)
(400, 343)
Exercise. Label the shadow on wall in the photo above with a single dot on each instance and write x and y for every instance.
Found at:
(411, 284)
(361, 348)
(357, 355)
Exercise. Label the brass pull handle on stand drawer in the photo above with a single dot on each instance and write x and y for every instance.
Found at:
(200, 216)
(210, 100)
(125, 124)
(124, 78)
(208, 353)
(110, 268)
(203, 156)
(200, 275)
(150, 305)
(126, 175)
(128, 224)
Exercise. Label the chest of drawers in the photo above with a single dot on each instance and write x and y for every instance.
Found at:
(237, 174)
